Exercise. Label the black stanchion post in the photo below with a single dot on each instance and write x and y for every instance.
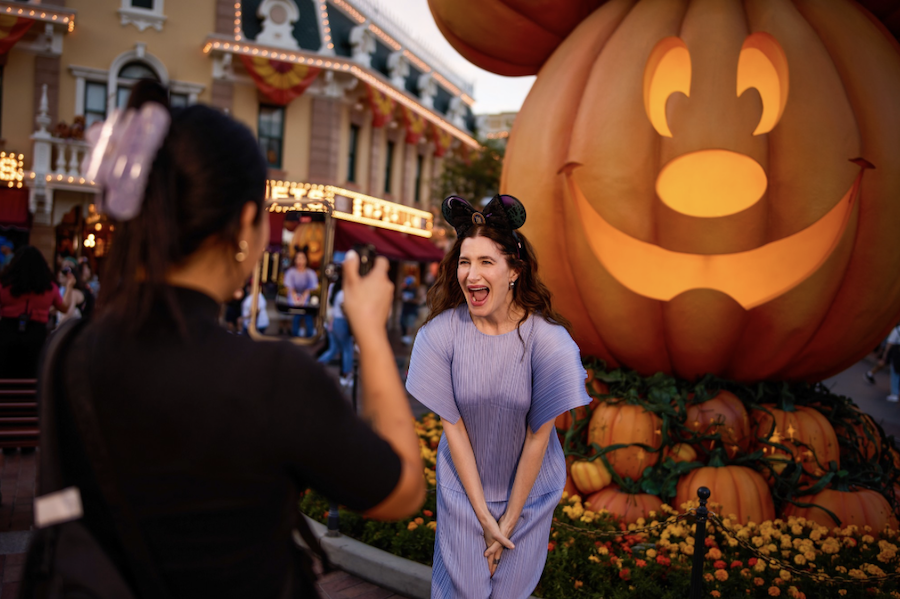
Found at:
(699, 544)
(333, 521)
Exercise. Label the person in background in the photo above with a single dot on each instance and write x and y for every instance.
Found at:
(891, 355)
(212, 436)
(27, 293)
(340, 339)
(262, 316)
(6, 252)
(69, 278)
(409, 308)
(300, 281)
(89, 278)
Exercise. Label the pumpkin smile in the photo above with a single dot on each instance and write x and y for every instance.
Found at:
(751, 278)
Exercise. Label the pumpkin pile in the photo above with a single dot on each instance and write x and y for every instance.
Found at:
(764, 451)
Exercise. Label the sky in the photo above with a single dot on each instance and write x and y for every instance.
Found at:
(493, 93)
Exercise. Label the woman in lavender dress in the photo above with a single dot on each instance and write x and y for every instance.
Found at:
(497, 364)
(300, 281)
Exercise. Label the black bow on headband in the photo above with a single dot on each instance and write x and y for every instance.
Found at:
(502, 212)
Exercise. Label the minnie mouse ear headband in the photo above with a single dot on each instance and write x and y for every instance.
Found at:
(502, 212)
(124, 148)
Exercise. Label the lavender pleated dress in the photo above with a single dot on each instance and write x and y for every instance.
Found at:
(498, 386)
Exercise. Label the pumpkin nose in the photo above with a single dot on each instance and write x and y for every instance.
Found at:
(711, 183)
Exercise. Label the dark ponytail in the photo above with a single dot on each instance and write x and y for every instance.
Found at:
(207, 169)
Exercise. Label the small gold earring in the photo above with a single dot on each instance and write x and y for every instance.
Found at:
(242, 254)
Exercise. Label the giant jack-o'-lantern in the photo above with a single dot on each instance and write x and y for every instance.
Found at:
(697, 179)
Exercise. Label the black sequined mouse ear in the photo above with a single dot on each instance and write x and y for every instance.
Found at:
(458, 213)
(515, 211)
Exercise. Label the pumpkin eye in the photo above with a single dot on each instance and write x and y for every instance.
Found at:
(668, 71)
(763, 65)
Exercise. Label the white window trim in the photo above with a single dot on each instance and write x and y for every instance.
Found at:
(142, 18)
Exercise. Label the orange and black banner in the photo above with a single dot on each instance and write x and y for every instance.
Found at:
(442, 140)
(382, 107)
(415, 125)
(279, 81)
(11, 30)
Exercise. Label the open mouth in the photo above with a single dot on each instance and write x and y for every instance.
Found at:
(478, 295)
(751, 277)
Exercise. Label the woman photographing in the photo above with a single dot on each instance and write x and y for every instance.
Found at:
(497, 364)
(209, 435)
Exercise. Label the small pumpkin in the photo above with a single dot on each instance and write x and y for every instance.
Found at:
(681, 452)
(590, 477)
(622, 423)
(629, 507)
(862, 507)
(738, 489)
(805, 431)
(726, 415)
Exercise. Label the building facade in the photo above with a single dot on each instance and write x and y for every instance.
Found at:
(337, 96)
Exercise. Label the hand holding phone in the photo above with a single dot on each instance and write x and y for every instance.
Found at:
(368, 293)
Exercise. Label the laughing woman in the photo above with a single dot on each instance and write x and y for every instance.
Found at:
(497, 364)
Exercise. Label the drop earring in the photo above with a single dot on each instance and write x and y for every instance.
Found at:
(512, 284)
(243, 246)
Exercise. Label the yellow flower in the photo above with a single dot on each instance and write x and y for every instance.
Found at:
(810, 556)
(760, 566)
(815, 535)
(799, 559)
(651, 553)
(732, 542)
(858, 574)
(594, 558)
(842, 592)
(432, 525)
(721, 575)
(840, 569)
(796, 529)
(784, 575)
(868, 538)
(603, 551)
(873, 570)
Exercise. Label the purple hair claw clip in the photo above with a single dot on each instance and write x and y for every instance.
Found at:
(123, 152)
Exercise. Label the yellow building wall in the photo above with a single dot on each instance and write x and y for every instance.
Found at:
(344, 145)
(245, 106)
(364, 157)
(99, 37)
(297, 137)
(18, 104)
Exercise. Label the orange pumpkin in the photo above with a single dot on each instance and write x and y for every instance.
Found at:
(863, 507)
(760, 282)
(615, 423)
(626, 506)
(590, 477)
(805, 431)
(726, 415)
(865, 437)
(738, 489)
(564, 420)
(681, 452)
(531, 30)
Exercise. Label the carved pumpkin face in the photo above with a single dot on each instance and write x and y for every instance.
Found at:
(692, 163)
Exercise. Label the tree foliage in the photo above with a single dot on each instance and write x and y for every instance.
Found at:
(473, 179)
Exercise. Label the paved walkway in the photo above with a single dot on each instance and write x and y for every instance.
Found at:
(870, 398)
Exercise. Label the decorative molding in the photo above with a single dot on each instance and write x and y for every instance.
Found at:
(191, 90)
(398, 67)
(363, 43)
(278, 18)
(48, 43)
(142, 18)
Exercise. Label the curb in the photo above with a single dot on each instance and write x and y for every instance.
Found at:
(400, 575)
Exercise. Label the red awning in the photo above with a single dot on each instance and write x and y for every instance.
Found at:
(347, 234)
(415, 248)
(14, 207)
(276, 224)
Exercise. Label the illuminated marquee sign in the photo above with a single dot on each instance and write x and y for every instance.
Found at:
(365, 209)
(11, 169)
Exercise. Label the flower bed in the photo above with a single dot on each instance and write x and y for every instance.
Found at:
(593, 555)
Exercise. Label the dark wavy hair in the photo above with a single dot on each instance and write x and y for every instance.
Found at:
(27, 272)
(529, 293)
(207, 169)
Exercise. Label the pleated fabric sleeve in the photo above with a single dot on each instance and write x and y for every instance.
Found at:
(430, 380)
(557, 375)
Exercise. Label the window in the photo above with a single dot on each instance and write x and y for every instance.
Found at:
(419, 163)
(178, 100)
(271, 133)
(94, 103)
(388, 166)
(1, 92)
(128, 75)
(351, 159)
(148, 4)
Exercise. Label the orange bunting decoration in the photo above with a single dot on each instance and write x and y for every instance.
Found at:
(415, 125)
(280, 82)
(382, 107)
(442, 140)
(11, 30)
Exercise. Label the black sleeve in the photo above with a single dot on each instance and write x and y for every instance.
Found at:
(327, 446)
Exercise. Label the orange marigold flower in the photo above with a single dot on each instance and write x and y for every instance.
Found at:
(551, 546)
(759, 581)
(578, 584)
(721, 575)
(719, 565)
(419, 521)
(715, 593)
(428, 513)
(774, 591)
(640, 563)
(714, 554)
